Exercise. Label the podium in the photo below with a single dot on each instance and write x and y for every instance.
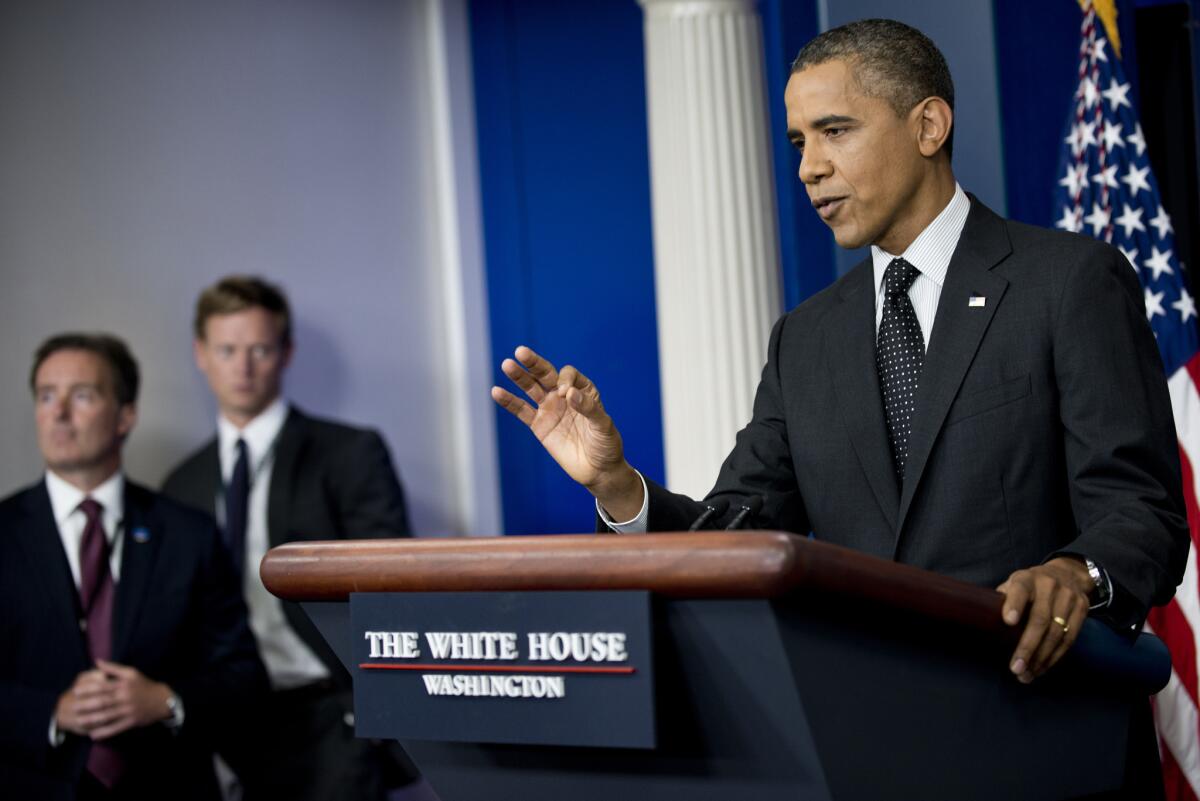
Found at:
(784, 668)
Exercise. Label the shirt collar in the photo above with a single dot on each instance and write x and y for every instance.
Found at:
(66, 497)
(930, 252)
(259, 434)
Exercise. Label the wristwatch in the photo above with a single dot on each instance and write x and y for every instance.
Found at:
(1102, 585)
(174, 712)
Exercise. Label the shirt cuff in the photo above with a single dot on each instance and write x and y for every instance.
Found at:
(638, 524)
(175, 721)
(1108, 595)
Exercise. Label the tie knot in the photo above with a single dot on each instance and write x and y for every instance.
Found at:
(899, 276)
(241, 449)
(91, 509)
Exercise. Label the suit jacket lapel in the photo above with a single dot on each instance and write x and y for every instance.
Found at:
(850, 350)
(207, 484)
(37, 535)
(957, 331)
(143, 538)
(279, 498)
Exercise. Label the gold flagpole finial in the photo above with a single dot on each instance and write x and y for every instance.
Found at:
(1106, 10)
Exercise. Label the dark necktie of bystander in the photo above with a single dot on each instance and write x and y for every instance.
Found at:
(96, 591)
(237, 499)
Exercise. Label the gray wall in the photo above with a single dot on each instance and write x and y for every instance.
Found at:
(147, 148)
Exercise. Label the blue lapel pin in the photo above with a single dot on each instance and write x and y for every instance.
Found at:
(141, 534)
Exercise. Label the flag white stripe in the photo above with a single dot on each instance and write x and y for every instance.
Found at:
(1177, 720)
(1185, 403)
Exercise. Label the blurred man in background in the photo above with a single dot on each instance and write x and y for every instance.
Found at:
(125, 647)
(272, 474)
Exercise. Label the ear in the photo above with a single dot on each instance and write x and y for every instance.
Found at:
(200, 354)
(126, 418)
(934, 120)
(286, 357)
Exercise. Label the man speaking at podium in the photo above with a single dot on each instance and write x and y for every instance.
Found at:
(979, 398)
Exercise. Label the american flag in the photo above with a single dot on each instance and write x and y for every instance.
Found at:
(1108, 191)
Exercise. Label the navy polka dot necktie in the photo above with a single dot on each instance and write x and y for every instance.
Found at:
(899, 355)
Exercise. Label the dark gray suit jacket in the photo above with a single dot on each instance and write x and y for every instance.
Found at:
(329, 481)
(1043, 423)
(178, 618)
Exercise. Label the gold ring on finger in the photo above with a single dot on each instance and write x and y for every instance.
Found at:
(1062, 622)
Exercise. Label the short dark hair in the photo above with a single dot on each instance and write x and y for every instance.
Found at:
(890, 60)
(235, 293)
(113, 351)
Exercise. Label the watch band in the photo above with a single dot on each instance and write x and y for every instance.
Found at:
(175, 710)
(1102, 584)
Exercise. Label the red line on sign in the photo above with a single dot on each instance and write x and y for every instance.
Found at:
(498, 668)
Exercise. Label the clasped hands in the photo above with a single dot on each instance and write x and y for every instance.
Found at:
(570, 422)
(110, 699)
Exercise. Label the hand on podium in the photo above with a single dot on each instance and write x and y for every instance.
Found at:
(570, 422)
(1053, 597)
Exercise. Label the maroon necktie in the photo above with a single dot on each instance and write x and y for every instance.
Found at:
(96, 595)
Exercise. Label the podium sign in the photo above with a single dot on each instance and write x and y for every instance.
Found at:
(785, 668)
(562, 668)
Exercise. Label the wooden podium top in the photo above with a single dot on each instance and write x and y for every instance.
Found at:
(744, 564)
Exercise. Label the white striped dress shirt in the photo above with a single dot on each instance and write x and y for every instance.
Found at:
(289, 661)
(930, 253)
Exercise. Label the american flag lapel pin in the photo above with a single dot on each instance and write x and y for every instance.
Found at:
(976, 301)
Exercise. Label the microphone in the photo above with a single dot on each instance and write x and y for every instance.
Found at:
(747, 510)
(714, 509)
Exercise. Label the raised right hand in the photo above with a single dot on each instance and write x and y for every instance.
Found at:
(570, 422)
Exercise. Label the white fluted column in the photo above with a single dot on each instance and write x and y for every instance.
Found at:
(716, 246)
